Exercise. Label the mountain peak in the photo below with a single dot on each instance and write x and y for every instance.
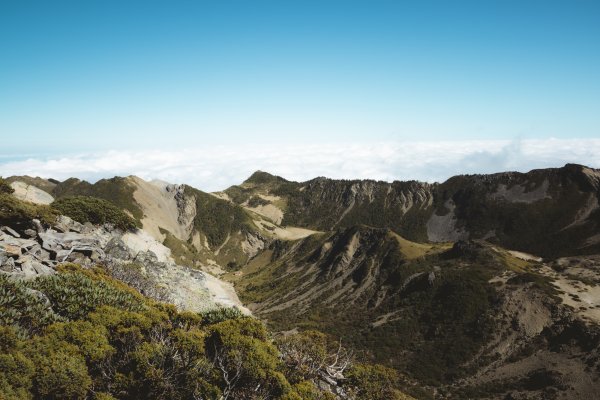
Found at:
(261, 177)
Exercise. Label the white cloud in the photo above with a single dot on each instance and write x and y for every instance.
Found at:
(215, 168)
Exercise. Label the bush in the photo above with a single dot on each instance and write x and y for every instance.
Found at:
(219, 315)
(95, 210)
(374, 382)
(61, 375)
(16, 370)
(309, 354)
(15, 212)
(24, 309)
(73, 295)
(240, 350)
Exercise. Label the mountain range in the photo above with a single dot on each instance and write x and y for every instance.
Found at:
(483, 286)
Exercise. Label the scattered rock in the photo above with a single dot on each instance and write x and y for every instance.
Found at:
(66, 224)
(7, 264)
(116, 248)
(30, 233)
(31, 268)
(10, 231)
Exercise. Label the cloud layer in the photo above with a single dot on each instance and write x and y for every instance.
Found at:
(216, 168)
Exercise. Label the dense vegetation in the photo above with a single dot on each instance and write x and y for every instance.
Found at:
(217, 218)
(435, 311)
(182, 252)
(95, 210)
(83, 335)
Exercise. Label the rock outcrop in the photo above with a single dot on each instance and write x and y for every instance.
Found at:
(31, 193)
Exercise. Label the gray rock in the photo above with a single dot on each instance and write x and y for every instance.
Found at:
(7, 264)
(39, 253)
(66, 224)
(30, 233)
(11, 250)
(148, 259)
(95, 254)
(10, 231)
(30, 268)
(88, 228)
(116, 248)
(27, 271)
(38, 225)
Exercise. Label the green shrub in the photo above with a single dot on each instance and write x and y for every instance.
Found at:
(61, 375)
(307, 353)
(74, 295)
(307, 390)
(240, 348)
(5, 186)
(23, 308)
(119, 191)
(374, 382)
(220, 314)
(91, 339)
(110, 342)
(15, 212)
(95, 210)
(16, 370)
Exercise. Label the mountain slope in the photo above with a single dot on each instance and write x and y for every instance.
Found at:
(472, 321)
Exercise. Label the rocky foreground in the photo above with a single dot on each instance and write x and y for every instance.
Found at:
(132, 256)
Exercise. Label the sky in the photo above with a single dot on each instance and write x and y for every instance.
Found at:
(206, 92)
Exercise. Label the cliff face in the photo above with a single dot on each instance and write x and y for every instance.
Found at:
(550, 212)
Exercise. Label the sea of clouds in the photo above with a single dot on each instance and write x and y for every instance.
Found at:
(215, 168)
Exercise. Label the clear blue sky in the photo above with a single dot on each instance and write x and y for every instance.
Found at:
(106, 74)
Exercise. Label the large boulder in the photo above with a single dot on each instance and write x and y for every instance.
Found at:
(30, 193)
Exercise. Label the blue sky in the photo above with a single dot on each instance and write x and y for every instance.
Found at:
(87, 76)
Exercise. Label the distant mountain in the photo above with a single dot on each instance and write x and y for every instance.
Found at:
(548, 212)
